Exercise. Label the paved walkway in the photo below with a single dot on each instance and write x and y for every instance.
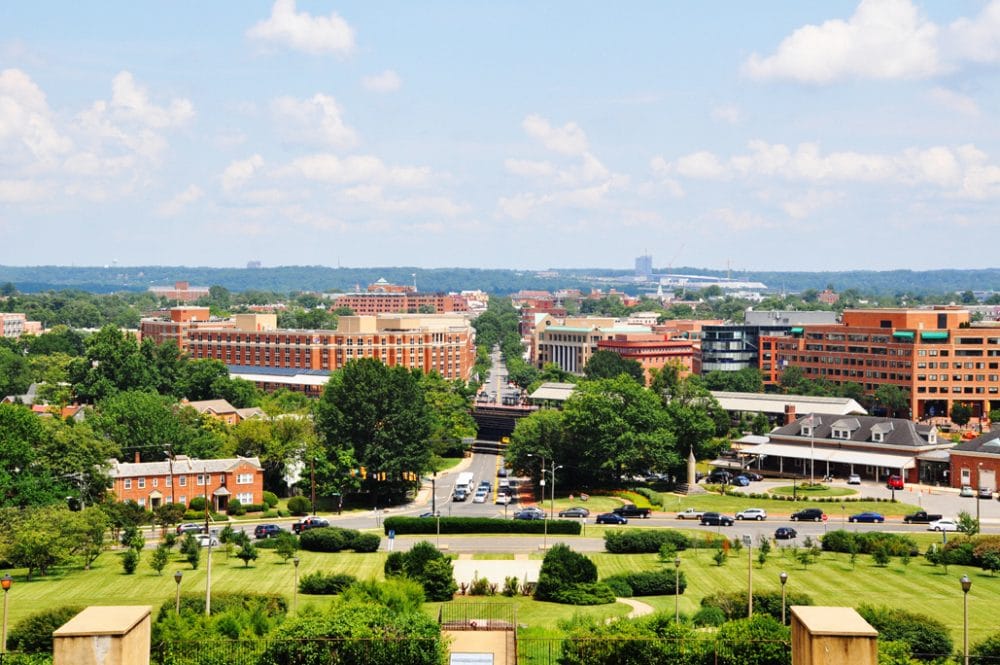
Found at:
(639, 609)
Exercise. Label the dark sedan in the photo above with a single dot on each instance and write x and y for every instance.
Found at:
(574, 512)
(266, 531)
(611, 518)
(715, 519)
(867, 517)
(785, 533)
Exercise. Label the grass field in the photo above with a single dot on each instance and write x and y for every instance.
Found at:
(831, 580)
(823, 490)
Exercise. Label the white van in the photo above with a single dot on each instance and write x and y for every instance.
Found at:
(464, 482)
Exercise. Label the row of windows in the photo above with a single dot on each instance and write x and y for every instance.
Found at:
(962, 390)
(182, 480)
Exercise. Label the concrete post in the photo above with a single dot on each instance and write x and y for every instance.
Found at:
(832, 636)
(118, 635)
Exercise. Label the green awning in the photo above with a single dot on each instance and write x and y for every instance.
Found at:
(903, 334)
(934, 335)
(798, 331)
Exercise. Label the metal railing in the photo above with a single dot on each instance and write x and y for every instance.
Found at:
(398, 650)
(477, 616)
(635, 651)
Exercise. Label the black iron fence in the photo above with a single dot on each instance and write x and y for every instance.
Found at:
(477, 616)
(374, 651)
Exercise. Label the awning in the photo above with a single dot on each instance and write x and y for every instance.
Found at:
(934, 334)
(903, 334)
(222, 491)
(821, 454)
(155, 494)
(935, 456)
(798, 330)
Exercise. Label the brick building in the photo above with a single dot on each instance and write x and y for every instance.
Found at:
(977, 462)
(174, 328)
(180, 292)
(938, 356)
(650, 350)
(14, 324)
(151, 484)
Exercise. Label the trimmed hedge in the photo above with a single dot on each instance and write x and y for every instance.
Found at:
(646, 583)
(271, 604)
(734, 603)
(424, 525)
(366, 542)
(927, 637)
(654, 497)
(326, 585)
(335, 539)
(866, 542)
(33, 634)
(644, 541)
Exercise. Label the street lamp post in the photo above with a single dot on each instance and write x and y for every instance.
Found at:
(784, 578)
(966, 585)
(748, 541)
(677, 590)
(6, 581)
(170, 460)
(812, 449)
(552, 503)
(295, 589)
(177, 595)
(545, 519)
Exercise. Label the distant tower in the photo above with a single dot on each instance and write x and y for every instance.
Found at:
(414, 276)
(643, 265)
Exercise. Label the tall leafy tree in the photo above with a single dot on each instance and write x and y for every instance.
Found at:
(15, 373)
(448, 410)
(379, 416)
(144, 422)
(23, 480)
(608, 364)
(112, 363)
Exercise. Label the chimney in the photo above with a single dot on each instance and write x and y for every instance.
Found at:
(789, 414)
(138, 458)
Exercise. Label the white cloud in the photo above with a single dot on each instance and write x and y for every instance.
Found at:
(314, 120)
(182, 200)
(700, 164)
(567, 140)
(802, 206)
(727, 113)
(529, 168)
(130, 101)
(304, 32)
(22, 191)
(387, 81)
(26, 122)
(359, 169)
(240, 171)
(978, 39)
(955, 101)
(741, 220)
(884, 39)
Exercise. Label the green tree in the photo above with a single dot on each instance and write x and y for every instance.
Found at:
(112, 363)
(967, 524)
(160, 558)
(15, 373)
(427, 565)
(448, 411)
(198, 377)
(961, 414)
(23, 482)
(893, 398)
(285, 545)
(133, 420)
(608, 365)
(191, 550)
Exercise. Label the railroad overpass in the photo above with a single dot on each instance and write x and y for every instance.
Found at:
(496, 422)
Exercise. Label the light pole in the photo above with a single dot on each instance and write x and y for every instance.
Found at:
(295, 589)
(966, 585)
(784, 578)
(545, 519)
(812, 449)
(208, 567)
(177, 595)
(979, 484)
(6, 581)
(748, 541)
(170, 460)
(677, 590)
(552, 503)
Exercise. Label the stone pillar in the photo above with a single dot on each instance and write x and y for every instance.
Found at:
(118, 635)
(832, 636)
(692, 464)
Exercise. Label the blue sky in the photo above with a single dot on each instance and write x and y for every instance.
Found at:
(778, 135)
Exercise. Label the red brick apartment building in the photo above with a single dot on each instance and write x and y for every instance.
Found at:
(385, 298)
(181, 320)
(652, 351)
(151, 484)
(936, 355)
(180, 292)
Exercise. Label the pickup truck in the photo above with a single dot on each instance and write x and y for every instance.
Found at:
(921, 517)
(632, 510)
(310, 522)
(690, 514)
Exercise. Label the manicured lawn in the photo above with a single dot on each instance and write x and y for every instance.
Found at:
(824, 490)
(731, 504)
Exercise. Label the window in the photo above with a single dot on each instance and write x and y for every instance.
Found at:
(200, 480)
(877, 437)
(168, 481)
(128, 483)
(244, 479)
(183, 481)
(246, 498)
(142, 483)
(156, 482)
(182, 500)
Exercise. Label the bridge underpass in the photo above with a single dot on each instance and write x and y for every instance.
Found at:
(496, 422)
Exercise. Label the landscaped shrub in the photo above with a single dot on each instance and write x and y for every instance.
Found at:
(709, 616)
(34, 634)
(327, 539)
(235, 507)
(326, 584)
(270, 499)
(254, 507)
(654, 497)
(418, 525)
(928, 638)
(427, 565)
(760, 640)
(570, 577)
(734, 603)
(987, 651)
(644, 541)
(223, 601)
(867, 542)
(619, 586)
(960, 552)
(299, 505)
(366, 542)
(649, 583)
(592, 593)
(130, 561)
(197, 503)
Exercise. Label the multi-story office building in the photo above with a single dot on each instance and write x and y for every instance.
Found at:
(180, 292)
(16, 324)
(734, 346)
(652, 351)
(175, 327)
(385, 298)
(938, 356)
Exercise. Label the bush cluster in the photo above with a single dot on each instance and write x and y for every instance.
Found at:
(867, 542)
(427, 565)
(271, 604)
(335, 539)
(927, 638)
(644, 541)
(324, 584)
(423, 525)
(571, 578)
(646, 583)
(299, 505)
(734, 603)
(34, 633)
(235, 507)
(270, 499)
(654, 497)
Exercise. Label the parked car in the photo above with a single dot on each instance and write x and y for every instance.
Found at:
(854, 479)
(715, 519)
(530, 513)
(867, 517)
(576, 511)
(459, 495)
(205, 540)
(753, 476)
(632, 510)
(266, 530)
(943, 525)
(311, 522)
(809, 514)
(921, 517)
(752, 514)
(190, 527)
(720, 476)
(740, 481)
(785, 533)
(894, 482)
(502, 472)
(985, 493)
(690, 514)
(966, 492)
(611, 518)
